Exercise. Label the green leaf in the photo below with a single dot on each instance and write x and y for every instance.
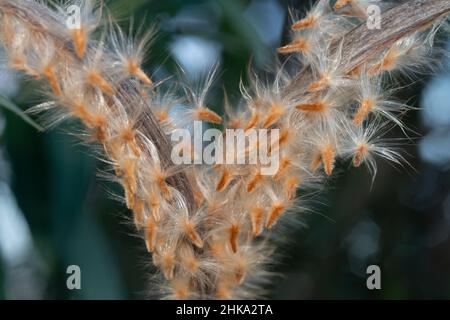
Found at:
(11, 106)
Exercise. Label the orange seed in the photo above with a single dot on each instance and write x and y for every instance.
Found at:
(299, 45)
(256, 216)
(79, 38)
(275, 212)
(207, 115)
(304, 23)
(233, 233)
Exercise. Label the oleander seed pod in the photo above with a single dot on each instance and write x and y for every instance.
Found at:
(211, 229)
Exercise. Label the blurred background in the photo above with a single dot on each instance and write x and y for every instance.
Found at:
(54, 212)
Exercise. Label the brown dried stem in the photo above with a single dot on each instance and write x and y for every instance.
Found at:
(362, 44)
